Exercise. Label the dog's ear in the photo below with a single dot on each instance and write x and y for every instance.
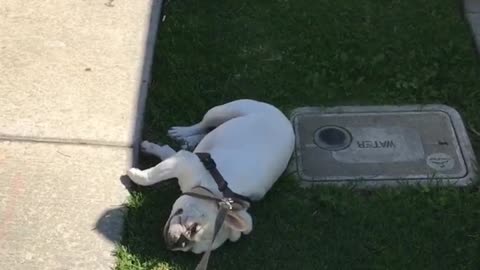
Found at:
(239, 221)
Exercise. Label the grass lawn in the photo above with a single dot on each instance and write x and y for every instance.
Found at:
(316, 52)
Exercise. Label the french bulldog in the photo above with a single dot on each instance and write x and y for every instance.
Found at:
(251, 143)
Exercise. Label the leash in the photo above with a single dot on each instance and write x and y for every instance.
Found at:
(224, 205)
(231, 201)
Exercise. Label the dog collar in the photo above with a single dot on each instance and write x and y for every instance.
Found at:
(230, 203)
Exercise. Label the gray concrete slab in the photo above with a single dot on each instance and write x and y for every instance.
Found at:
(474, 19)
(472, 6)
(477, 41)
(71, 70)
(60, 205)
(472, 13)
(74, 77)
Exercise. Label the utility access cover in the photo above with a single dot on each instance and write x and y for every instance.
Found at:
(382, 145)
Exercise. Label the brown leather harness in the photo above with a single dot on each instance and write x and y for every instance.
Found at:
(231, 201)
(211, 166)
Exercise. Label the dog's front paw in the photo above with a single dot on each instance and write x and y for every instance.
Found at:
(137, 176)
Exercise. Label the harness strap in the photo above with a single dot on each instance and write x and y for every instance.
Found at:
(211, 166)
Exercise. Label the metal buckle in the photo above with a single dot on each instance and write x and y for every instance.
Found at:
(209, 163)
(226, 203)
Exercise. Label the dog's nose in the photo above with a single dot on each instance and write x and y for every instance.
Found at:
(174, 241)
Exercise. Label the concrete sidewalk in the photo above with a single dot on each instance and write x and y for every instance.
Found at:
(472, 13)
(73, 82)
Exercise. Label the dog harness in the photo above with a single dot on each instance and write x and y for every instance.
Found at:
(211, 166)
(231, 201)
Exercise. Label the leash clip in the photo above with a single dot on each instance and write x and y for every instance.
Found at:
(208, 162)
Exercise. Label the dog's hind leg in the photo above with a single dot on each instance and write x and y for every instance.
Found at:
(212, 119)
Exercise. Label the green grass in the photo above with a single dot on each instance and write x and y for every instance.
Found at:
(298, 53)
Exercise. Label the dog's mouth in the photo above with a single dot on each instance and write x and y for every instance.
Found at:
(181, 244)
(181, 237)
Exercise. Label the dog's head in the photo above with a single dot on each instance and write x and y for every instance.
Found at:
(190, 226)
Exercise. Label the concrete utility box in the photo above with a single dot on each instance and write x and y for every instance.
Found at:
(382, 145)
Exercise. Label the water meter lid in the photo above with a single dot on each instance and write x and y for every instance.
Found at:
(381, 145)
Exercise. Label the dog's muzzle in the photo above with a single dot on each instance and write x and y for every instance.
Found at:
(175, 239)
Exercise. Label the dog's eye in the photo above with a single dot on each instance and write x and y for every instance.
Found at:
(178, 212)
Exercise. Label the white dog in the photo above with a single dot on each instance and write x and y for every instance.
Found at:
(251, 143)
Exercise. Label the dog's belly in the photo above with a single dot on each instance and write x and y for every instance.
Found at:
(251, 151)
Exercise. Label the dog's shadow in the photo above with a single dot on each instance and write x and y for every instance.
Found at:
(111, 224)
(137, 226)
